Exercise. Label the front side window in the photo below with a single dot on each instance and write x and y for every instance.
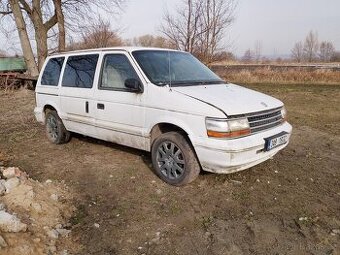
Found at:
(79, 71)
(174, 68)
(52, 71)
(115, 71)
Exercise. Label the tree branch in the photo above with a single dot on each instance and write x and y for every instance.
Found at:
(5, 12)
(51, 22)
(26, 6)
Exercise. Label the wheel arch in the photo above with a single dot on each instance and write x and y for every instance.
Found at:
(165, 127)
(49, 106)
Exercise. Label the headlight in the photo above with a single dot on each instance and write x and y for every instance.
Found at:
(227, 128)
(284, 113)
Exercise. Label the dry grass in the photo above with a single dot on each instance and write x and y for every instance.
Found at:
(12, 83)
(266, 75)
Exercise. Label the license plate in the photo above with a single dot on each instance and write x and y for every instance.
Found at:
(276, 140)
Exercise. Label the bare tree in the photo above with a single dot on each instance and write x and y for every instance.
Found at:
(311, 46)
(2, 54)
(336, 56)
(224, 56)
(198, 26)
(216, 17)
(182, 30)
(297, 52)
(61, 25)
(258, 51)
(326, 51)
(151, 41)
(99, 35)
(42, 23)
(38, 18)
(13, 7)
(248, 56)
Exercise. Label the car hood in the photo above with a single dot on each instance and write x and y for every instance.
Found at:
(230, 98)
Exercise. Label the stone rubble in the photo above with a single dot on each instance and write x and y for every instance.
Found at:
(25, 205)
(11, 184)
(10, 172)
(53, 234)
(54, 197)
(10, 223)
(3, 243)
(2, 187)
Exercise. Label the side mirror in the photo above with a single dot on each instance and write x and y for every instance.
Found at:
(134, 85)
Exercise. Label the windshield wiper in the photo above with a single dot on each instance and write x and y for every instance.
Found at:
(162, 83)
(193, 83)
(213, 82)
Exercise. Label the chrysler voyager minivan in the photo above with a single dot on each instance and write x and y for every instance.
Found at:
(162, 101)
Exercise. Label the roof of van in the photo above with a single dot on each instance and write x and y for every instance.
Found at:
(123, 48)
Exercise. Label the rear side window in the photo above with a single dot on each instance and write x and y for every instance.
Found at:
(52, 71)
(79, 71)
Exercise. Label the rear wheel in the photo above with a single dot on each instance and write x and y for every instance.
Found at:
(174, 160)
(55, 129)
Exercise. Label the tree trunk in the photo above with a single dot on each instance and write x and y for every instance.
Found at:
(61, 25)
(41, 39)
(24, 40)
(188, 39)
(40, 31)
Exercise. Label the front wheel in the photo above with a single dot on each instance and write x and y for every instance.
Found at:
(174, 160)
(55, 129)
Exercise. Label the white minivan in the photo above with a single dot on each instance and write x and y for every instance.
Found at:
(162, 101)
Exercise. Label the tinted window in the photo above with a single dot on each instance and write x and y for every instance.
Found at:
(116, 70)
(79, 71)
(52, 72)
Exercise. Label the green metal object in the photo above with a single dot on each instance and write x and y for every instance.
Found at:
(12, 64)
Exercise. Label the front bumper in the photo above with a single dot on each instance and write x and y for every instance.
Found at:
(229, 156)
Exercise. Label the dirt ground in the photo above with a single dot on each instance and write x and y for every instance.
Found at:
(287, 205)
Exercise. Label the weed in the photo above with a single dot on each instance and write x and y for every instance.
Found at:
(287, 76)
(79, 216)
(207, 222)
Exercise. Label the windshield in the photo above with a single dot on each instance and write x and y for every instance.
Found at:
(174, 68)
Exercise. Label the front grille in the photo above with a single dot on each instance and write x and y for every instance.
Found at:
(260, 121)
(264, 120)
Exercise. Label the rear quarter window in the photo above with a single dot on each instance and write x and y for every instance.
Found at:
(52, 71)
(79, 71)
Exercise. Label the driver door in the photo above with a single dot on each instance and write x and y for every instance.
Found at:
(120, 112)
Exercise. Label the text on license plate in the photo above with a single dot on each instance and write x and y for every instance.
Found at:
(276, 140)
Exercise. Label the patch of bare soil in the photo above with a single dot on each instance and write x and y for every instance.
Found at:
(287, 205)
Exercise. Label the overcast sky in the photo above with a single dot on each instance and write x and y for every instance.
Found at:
(276, 24)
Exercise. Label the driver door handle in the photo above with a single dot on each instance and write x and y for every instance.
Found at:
(100, 106)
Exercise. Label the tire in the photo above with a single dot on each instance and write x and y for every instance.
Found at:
(55, 130)
(174, 159)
